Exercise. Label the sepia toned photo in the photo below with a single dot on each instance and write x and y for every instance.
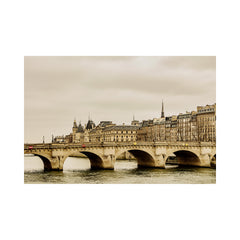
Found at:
(120, 120)
(115, 120)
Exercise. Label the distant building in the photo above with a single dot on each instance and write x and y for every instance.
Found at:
(58, 139)
(173, 129)
(79, 134)
(206, 123)
(192, 126)
(120, 133)
(144, 133)
(96, 134)
(197, 125)
(186, 127)
(135, 122)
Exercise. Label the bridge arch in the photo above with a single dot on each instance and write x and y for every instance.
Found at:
(143, 158)
(95, 160)
(213, 157)
(46, 162)
(213, 160)
(186, 157)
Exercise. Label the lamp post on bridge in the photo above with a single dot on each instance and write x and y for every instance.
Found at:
(43, 140)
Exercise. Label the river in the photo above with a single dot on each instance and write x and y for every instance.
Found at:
(77, 170)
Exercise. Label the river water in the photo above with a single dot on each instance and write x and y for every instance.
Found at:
(77, 170)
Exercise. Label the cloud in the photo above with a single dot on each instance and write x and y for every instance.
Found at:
(57, 89)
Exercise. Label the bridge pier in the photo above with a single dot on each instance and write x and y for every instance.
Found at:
(157, 162)
(160, 161)
(57, 163)
(107, 162)
(145, 160)
(205, 160)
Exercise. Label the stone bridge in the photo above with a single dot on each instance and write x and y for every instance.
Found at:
(103, 155)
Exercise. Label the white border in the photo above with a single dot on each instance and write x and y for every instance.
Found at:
(143, 28)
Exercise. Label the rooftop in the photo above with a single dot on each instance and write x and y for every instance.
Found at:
(121, 128)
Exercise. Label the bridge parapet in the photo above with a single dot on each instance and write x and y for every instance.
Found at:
(119, 144)
(103, 155)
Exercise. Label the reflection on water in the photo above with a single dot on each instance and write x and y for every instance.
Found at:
(77, 170)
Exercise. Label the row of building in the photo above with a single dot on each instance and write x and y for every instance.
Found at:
(193, 126)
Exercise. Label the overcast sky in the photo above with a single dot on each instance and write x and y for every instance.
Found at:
(59, 89)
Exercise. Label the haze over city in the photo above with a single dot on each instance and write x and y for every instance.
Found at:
(61, 89)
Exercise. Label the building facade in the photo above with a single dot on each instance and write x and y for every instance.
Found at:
(206, 123)
(192, 126)
(187, 127)
(120, 133)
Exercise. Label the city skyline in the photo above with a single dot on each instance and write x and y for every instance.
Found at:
(61, 89)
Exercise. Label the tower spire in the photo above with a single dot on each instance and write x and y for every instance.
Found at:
(74, 123)
(162, 113)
